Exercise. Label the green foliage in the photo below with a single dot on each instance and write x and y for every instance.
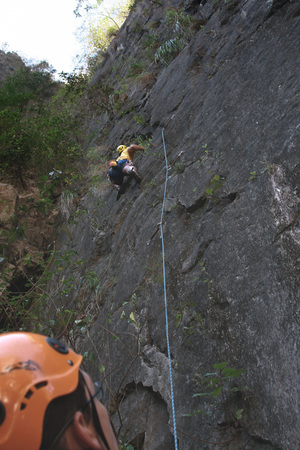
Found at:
(216, 381)
(92, 282)
(25, 303)
(139, 119)
(179, 21)
(132, 4)
(132, 313)
(17, 231)
(169, 50)
(149, 186)
(220, 382)
(151, 42)
(47, 185)
(37, 125)
(100, 25)
(76, 84)
(18, 296)
(25, 85)
(253, 175)
(126, 446)
(136, 68)
(145, 142)
(215, 184)
(100, 35)
(188, 320)
(180, 27)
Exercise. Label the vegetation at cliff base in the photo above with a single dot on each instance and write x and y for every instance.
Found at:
(38, 127)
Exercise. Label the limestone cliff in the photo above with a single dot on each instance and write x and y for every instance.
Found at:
(227, 103)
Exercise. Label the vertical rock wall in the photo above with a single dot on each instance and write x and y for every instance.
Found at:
(228, 106)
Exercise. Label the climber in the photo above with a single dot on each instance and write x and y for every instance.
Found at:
(46, 400)
(123, 165)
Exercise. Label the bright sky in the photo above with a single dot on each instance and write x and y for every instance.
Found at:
(41, 30)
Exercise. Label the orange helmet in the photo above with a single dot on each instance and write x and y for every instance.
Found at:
(34, 370)
(121, 149)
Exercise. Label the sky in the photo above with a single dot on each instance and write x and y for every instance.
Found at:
(41, 30)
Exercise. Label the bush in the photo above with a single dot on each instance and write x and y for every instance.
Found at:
(38, 126)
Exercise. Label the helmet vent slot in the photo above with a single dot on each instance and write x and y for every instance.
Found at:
(29, 394)
(2, 413)
(23, 406)
(41, 384)
(57, 345)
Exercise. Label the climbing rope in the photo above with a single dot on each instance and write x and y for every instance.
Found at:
(165, 294)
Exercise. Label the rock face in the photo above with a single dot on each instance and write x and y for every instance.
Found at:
(9, 63)
(227, 109)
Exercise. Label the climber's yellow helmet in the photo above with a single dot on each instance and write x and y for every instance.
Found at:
(121, 149)
(34, 370)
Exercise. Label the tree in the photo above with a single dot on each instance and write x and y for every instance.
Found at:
(38, 127)
(99, 27)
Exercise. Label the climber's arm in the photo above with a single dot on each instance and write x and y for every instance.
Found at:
(133, 148)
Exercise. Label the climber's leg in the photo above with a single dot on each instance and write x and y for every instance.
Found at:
(130, 170)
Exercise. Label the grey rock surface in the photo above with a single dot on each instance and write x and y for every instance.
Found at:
(228, 105)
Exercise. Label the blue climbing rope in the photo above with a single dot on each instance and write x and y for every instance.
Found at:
(165, 294)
